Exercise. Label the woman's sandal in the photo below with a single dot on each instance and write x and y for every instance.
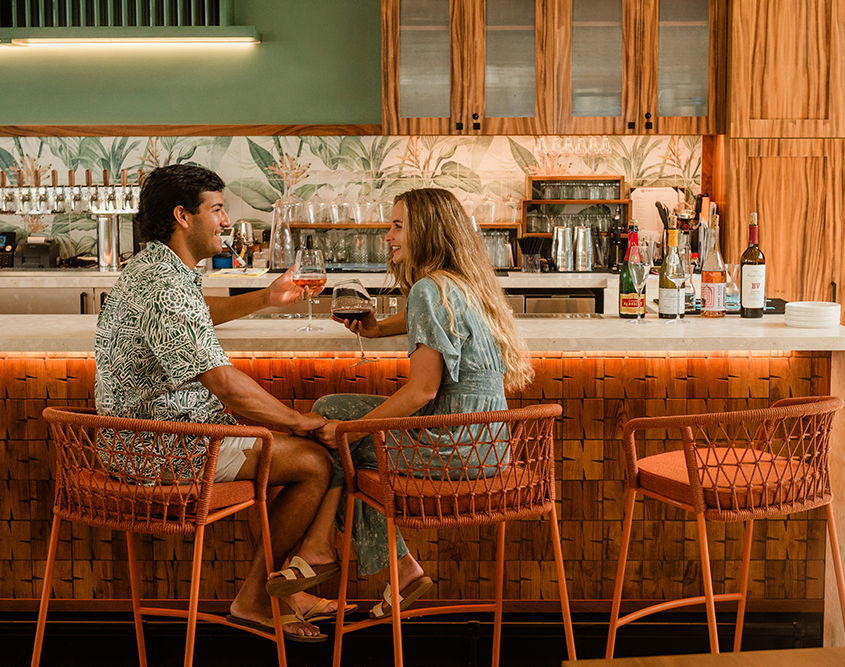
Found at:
(407, 596)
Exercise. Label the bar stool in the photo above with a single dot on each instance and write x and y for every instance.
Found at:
(98, 484)
(408, 489)
(734, 466)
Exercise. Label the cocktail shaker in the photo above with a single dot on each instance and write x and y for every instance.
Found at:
(583, 249)
(562, 248)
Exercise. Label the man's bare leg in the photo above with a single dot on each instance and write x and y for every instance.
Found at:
(318, 547)
(304, 468)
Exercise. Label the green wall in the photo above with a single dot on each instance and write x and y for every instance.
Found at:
(318, 63)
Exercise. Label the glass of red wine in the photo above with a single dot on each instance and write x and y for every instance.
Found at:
(350, 301)
(311, 274)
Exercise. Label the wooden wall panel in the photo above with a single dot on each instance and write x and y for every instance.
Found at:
(598, 393)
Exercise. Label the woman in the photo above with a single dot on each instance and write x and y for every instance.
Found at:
(464, 352)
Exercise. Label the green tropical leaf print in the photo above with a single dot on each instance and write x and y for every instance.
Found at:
(7, 161)
(255, 193)
(217, 149)
(265, 161)
(522, 156)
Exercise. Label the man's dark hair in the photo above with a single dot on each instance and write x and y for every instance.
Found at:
(164, 190)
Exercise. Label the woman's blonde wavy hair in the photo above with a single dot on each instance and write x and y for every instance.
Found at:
(440, 242)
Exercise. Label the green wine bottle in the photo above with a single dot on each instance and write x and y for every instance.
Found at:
(631, 305)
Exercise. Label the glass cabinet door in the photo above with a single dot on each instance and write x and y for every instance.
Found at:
(418, 76)
(680, 96)
(516, 91)
(595, 69)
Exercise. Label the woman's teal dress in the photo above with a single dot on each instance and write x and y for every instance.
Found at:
(472, 382)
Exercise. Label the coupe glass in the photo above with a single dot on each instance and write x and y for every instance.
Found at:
(311, 274)
(350, 301)
(639, 262)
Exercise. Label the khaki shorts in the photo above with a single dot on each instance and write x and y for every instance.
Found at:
(231, 458)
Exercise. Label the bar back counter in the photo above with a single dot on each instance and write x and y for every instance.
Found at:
(602, 370)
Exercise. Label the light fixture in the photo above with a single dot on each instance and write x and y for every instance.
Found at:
(130, 35)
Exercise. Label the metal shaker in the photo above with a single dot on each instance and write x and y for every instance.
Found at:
(562, 248)
(583, 249)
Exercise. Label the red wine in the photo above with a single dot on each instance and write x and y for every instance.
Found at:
(354, 313)
(753, 275)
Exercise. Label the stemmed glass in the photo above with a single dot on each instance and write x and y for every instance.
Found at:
(639, 262)
(689, 291)
(311, 274)
(350, 301)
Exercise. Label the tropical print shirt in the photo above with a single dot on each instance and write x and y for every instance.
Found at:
(154, 337)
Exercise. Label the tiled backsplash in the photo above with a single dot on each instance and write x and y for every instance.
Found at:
(260, 170)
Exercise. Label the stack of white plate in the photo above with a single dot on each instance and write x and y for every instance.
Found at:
(812, 314)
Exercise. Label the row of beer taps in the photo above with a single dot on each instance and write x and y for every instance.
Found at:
(97, 199)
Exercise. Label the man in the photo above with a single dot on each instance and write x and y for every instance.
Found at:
(158, 357)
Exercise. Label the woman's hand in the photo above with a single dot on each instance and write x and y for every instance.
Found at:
(368, 327)
(327, 434)
(310, 422)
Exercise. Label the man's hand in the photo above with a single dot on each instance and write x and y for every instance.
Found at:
(283, 292)
(310, 421)
(368, 327)
(327, 434)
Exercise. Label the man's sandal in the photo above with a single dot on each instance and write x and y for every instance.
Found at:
(300, 576)
(407, 596)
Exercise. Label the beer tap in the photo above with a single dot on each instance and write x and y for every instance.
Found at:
(8, 201)
(74, 192)
(24, 196)
(42, 205)
(56, 194)
(110, 205)
(94, 201)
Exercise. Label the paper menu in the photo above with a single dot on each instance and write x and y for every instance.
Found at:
(645, 212)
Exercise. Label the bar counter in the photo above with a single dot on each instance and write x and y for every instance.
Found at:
(603, 371)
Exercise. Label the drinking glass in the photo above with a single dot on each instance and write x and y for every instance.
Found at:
(350, 301)
(639, 262)
(689, 291)
(732, 300)
(311, 274)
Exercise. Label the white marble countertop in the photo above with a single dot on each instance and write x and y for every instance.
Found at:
(84, 278)
(75, 333)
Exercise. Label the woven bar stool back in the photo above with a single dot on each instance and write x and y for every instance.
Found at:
(449, 471)
(733, 466)
(117, 474)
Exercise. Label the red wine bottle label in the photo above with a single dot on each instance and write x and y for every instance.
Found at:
(753, 286)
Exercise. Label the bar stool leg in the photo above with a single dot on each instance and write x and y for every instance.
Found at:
(45, 591)
(264, 518)
(135, 587)
(394, 592)
(620, 572)
(561, 585)
(194, 601)
(707, 578)
(344, 577)
(500, 580)
(743, 583)
(837, 558)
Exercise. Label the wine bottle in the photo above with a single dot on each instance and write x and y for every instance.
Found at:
(670, 300)
(714, 276)
(752, 275)
(631, 306)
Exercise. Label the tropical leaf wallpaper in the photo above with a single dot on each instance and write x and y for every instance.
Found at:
(260, 170)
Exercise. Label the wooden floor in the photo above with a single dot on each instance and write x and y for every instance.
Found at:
(537, 640)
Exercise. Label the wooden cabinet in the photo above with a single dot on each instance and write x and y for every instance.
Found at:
(640, 67)
(467, 66)
(787, 68)
(796, 188)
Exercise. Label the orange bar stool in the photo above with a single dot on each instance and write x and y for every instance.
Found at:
(98, 485)
(734, 466)
(411, 494)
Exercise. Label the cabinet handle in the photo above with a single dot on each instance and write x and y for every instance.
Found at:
(647, 116)
(475, 116)
(833, 285)
(632, 126)
(459, 126)
(83, 303)
(476, 126)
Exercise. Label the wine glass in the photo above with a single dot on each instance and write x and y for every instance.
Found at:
(685, 253)
(639, 262)
(311, 274)
(350, 301)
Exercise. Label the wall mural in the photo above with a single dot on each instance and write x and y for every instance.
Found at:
(260, 170)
